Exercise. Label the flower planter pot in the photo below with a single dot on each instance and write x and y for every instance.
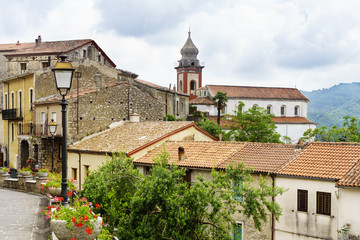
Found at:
(54, 192)
(25, 173)
(42, 174)
(58, 227)
(4, 174)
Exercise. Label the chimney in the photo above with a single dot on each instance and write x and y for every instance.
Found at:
(38, 41)
(182, 156)
(135, 117)
(299, 145)
(98, 82)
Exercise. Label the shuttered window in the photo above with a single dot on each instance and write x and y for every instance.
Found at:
(302, 200)
(323, 203)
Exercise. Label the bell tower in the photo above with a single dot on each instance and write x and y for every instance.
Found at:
(189, 70)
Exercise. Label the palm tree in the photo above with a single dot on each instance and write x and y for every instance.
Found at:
(221, 99)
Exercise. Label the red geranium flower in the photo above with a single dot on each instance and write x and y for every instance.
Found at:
(89, 230)
(79, 224)
(97, 205)
(69, 194)
(50, 207)
(73, 220)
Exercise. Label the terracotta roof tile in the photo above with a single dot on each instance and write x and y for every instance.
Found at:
(51, 47)
(202, 100)
(262, 157)
(323, 160)
(128, 137)
(258, 92)
(291, 120)
(15, 46)
(199, 154)
(351, 178)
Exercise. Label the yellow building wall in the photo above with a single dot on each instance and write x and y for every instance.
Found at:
(93, 161)
(16, 85)
(52, 110)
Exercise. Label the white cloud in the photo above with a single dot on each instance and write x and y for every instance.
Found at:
(310, 44)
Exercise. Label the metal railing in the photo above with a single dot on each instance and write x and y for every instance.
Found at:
(11, 114)
(39, 129)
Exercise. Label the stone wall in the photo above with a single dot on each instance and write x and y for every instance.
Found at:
(108, 105)
(45, 82)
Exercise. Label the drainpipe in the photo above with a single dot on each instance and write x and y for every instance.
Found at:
(79, 170)
(272, 215)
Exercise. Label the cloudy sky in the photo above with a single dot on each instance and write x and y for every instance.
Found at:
(277, 43)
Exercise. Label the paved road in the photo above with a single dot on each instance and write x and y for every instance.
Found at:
(20, 216)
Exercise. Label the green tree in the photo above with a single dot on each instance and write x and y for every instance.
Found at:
(349, 132)
(220, 99)
(213, 128)
(112, 186)
(165, 207)
(254, 125)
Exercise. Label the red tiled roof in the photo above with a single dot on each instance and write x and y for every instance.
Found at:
(128, 136)
(199, 154)
(202, 100)
(351, 178)
(15, 46)
(55, 47)
(258, 92)
(291, 120)
(323, 160)
(262, 157)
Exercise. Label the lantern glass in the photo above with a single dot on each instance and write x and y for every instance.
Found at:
(63, 78)
(52, 128)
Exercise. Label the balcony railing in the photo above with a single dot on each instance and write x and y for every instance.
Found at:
(11, 114)
(39, 129)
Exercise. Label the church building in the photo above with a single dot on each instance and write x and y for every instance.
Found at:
(189, 70)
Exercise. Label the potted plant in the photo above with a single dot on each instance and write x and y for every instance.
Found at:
(25, 171)
(53, 184)
(74, 222)
(42, 172)
(4, 171)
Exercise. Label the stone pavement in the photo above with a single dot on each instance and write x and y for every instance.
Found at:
(20, 216)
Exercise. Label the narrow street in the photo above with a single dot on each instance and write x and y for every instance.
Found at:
(20, 216)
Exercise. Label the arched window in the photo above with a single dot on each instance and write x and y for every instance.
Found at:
(283, 110)
(6, 101)
(20, 103)
(192, 87)
(31, 98)
(255, 106)
(12, 100)
(297, 110)
(269, 109)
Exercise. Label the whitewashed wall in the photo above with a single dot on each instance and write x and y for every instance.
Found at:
(294, 224)
(293, 131)
(349, 209)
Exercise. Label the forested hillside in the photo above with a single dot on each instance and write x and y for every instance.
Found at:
(328, 106)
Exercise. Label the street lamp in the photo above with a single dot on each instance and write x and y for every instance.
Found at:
(52, 130)
(63, 72)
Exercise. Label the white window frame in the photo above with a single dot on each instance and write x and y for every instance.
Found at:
(283, 114)
(31, 98)
(242, 229)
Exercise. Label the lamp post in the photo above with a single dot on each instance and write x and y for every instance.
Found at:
(63, 72)
(52, 130)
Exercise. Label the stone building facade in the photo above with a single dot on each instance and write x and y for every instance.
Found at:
(175, 103)
(90, 110)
